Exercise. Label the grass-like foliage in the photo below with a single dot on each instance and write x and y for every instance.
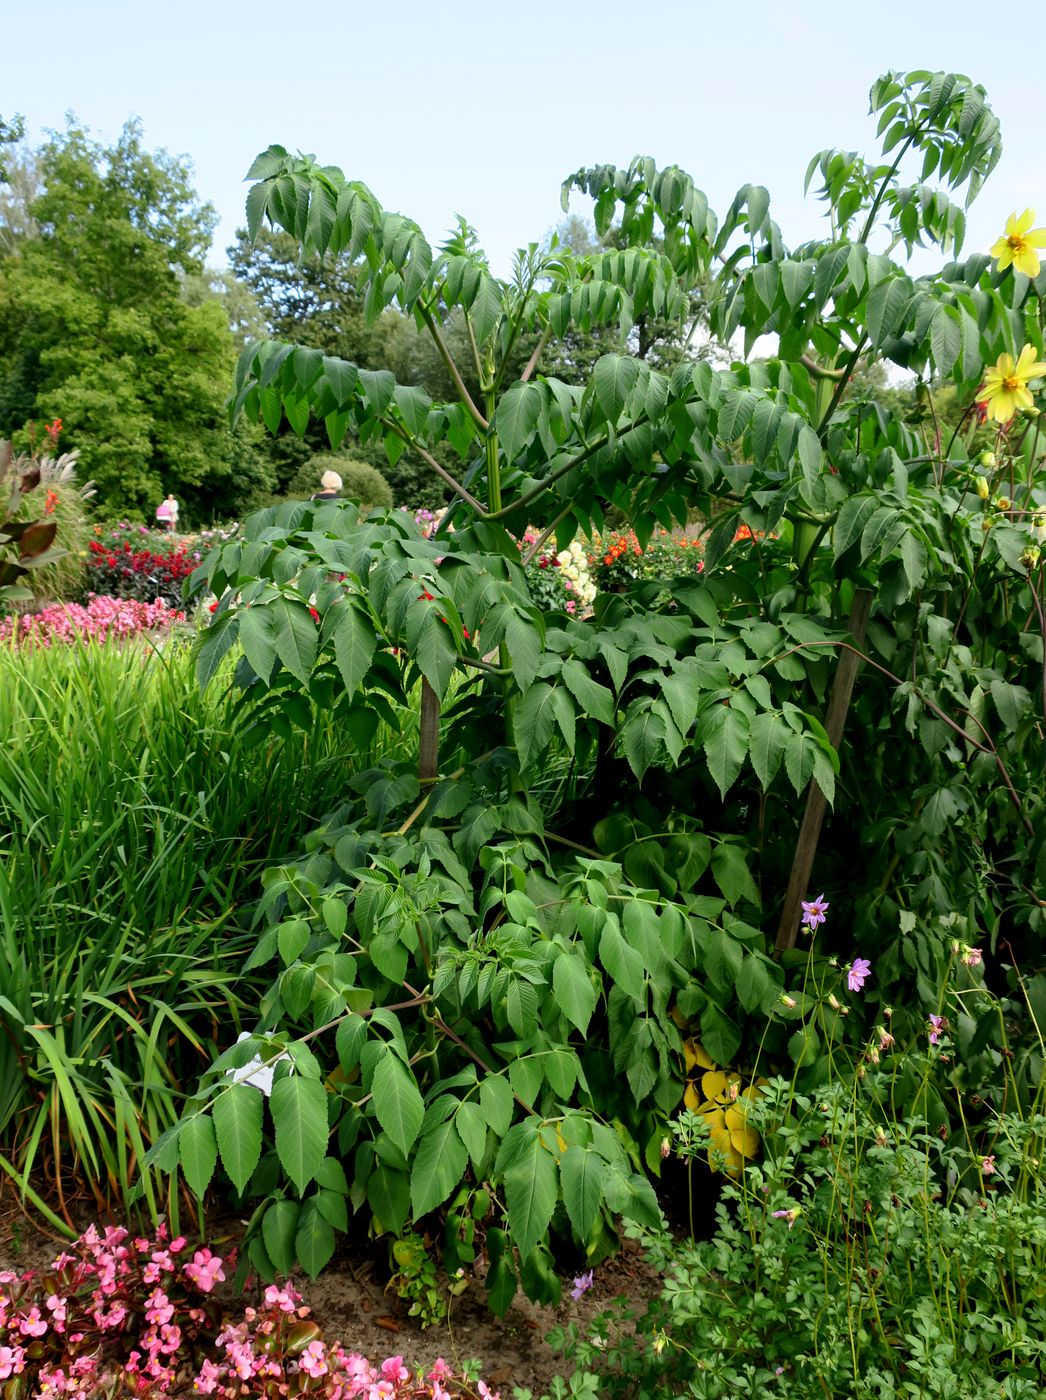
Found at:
(135, 819)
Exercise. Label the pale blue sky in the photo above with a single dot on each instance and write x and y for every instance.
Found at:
(483, 109)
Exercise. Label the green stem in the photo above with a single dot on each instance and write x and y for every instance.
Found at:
(452, 369)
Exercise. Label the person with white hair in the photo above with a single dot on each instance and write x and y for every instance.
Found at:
(330, 485)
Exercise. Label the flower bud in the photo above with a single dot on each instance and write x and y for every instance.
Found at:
(986, 523)
(1004, 503)
(1030, 557)
(1032, 412)
(982, 488)
(988, 460)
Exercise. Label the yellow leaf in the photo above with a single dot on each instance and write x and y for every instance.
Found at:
(691, 1098)
(714, 1083)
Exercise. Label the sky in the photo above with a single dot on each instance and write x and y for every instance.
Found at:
(483, 109)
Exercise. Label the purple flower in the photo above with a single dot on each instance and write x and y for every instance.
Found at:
(582, 1283)
(790, 1215)
(935, 1028)
(857, 974)
(814, 911)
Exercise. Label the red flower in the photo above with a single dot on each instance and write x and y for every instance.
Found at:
(213, 607)
(314, 615)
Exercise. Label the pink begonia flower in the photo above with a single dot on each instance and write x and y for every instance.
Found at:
(313, 1360)
(790, 1215)
(286, 1299)
(32, 1325)
(935, 1028)
(988, 1166)
(158, 1307)
(972, 957)
(857, 974)
(205, 1270)
(206, 1381)
(393, 1369)
(813, 911)
(12, 1361)
(582, 1283)
(885, 1038)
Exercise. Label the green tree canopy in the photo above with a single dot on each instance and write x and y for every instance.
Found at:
(95, 328)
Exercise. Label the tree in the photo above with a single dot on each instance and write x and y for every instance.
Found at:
(609, 836)
(96, 330)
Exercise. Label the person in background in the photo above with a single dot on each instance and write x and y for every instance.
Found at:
(330, 485)
(167, 514)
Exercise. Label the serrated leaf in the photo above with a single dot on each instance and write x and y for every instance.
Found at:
(256, 638)
(594, 699)
(295, 637)
(299, 1112)
(517, 416)
(314, 1239)
(531, 1191)
(581, 1172)
(613, 379)
(496, 1101)
(766, 746)
(724, 738)
(397, 1101)
(573, 990)
(237, 1116)
(279, 1224)
(198, 1152)
(438, 1168)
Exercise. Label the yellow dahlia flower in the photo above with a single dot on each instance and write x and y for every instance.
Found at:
(1006, 384)
(1017, 245)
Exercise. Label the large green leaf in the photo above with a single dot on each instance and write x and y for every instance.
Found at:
(279, 1224)
(517, 415)
(397, 1100)
(613, 379)
(724, 737)
(257, 626)
(582, 1171)
(313, 1239)
(354, 644)
(198, 1152)
(531, 1190)
(295, 636)
(572, 986)
(299, 1112)
(238, 1125)
(439, 1165)
(533, 722)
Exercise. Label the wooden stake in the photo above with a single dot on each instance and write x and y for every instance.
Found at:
(810, 831)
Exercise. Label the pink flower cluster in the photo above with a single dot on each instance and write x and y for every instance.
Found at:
(99, 620)
(133, 1317)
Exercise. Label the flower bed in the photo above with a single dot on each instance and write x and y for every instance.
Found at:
(124, 1316)
(98, 620)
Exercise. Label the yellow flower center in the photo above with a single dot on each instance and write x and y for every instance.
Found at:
(1016, 242)
(1011, 382)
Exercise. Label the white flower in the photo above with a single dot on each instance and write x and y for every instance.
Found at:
(255, 1072)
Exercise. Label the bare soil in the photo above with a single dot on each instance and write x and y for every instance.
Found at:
(352, 1305)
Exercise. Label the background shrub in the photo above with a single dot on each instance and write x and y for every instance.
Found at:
(360, 481)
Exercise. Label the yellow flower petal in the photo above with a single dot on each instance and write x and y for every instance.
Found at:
(1001, 249)
(1016, 228)
(1025, 260)
(1001, 406)
(1028, 367)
